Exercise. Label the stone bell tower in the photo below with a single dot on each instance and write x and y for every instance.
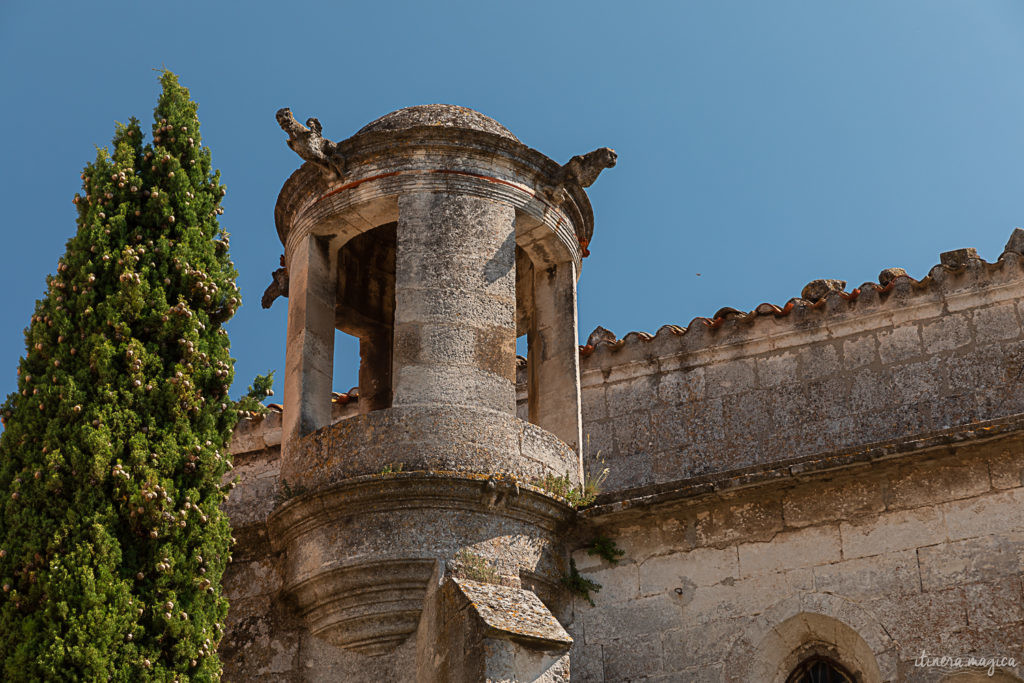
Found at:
(437, 237)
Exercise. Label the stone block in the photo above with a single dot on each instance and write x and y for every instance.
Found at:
(594, 404)
(645, 538)
(890, 574)
(744, 598)
(632, 658)
(952, 331)
(791, 549)
(997, 512)
(730, 377)
(1001, 642)
(1016, 241)
(892, 531)
(633, 433)
(673, 427)
(860, 351)
(870, 390)
(693, 646)
(418, 305)
(918, 382)
(681, 386)
(986, 559)
(586, 661)
(618, 583)
(640, 617)
(628, 469)
(889, 274)
(700, 567)
(744, 414)
(996, 323)
(995, 605)
(958, 258)
(777, 369)
(637, 393)
(257, 646)
(824, 501)
(979, 367)
(934, 482)
(739, 521)
(819, 360)
(799, 579)
(1006, 467)
(899, 344)
(818, 289)
(915, 620)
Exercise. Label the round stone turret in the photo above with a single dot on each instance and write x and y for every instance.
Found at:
(437, 238)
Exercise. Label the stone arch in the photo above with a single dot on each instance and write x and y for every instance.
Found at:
(808, 624)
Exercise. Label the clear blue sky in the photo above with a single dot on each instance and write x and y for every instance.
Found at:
(761, 144)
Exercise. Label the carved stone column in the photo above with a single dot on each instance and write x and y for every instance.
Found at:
(455, 302)
(553, 362)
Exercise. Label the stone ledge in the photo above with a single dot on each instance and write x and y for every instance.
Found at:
(429, 438)
(515, 614)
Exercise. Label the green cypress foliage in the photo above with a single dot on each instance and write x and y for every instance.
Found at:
(112, 542)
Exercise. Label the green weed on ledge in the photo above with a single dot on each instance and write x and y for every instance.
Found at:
(576, 497)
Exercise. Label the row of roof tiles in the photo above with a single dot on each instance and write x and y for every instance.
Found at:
(818, 293)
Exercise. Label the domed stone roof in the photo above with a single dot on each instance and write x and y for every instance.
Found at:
(447, 115)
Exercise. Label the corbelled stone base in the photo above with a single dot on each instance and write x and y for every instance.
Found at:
(360, 554)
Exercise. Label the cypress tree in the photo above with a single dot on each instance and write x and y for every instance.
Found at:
(112, 542)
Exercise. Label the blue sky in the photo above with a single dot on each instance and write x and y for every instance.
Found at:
(761, 144)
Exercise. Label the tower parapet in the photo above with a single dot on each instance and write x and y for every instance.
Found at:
(436, 237)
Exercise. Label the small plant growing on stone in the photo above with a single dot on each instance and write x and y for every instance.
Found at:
(392, 469)
(605, 548)
(476, 568)
(563, 488)
(592, 485)
(580, 585)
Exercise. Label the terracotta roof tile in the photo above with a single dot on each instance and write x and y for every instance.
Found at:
(896, 281)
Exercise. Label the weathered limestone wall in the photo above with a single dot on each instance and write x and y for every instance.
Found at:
(876, 564)
(855, 368)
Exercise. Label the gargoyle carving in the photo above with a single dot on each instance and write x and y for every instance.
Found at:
(279, 287)
(582, 169)
(309, 144)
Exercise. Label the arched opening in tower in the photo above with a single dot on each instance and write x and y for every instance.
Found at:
(365, 308)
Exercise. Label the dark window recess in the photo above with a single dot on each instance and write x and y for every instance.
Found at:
(819, 669)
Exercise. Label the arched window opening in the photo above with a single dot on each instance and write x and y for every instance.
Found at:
(365, 308)
(818, 669)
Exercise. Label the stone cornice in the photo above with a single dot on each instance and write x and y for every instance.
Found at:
(427, 158)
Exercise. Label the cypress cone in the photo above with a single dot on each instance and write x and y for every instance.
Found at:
(112, 541)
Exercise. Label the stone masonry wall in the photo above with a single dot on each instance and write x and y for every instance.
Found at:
(875, 564)
(874, 364)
